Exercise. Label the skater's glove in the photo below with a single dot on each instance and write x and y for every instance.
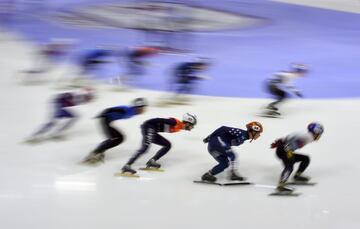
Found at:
(206, 140)
(275, 144)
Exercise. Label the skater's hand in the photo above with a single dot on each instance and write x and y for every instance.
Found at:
(206, 140)
(275, 144)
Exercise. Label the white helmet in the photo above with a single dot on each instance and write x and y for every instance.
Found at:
(190, 118)
(301, 68)
(139, 102)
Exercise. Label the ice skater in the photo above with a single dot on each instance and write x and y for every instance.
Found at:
(150, 130)
(219, 146)
(62, 118)
(285, 150)
(114, 136)
(280, 86)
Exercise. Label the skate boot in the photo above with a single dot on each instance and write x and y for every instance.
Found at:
(33, 140)
(208, 177)
(236, 177)
(93, 158)
(128, 169)
(272, 108)
(282, 188)
(272, 112)
(299, 178)
(152, 164)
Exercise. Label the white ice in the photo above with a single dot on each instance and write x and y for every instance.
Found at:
(43, 186)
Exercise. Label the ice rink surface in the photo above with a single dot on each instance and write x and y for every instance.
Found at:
(43, 186)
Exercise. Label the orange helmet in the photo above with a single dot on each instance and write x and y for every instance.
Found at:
(254, 126)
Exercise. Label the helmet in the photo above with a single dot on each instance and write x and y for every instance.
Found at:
(315, 128)
(254, 126)
(139, 102)
(203, 61)
(190, 118)
(301, 68)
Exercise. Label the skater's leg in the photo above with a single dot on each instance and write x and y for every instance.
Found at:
(304, 163)
(288, 162)
(280, 96)
(147, 134)
(115, 137)
(45, 128)
(166, 145)
(223, 163)
(67, 115)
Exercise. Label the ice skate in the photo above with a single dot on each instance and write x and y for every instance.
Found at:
(284, 189)
(127, 169)
(152, 164)
(208, 177)
(94, 158)
(270, 114)
(33, 140)
(272, 108)
(236, 177)
(301, 179)
(57, 137)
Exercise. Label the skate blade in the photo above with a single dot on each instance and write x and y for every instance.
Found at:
(301, 183)
(223, 184)
(33, 141)
(207, 182)
(285, 193)
(91, 162)
(237, 183)
(153, 169)
(126, 174)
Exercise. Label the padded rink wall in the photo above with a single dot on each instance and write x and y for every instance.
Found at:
(243, 57)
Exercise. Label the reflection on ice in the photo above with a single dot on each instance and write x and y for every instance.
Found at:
(74, 185)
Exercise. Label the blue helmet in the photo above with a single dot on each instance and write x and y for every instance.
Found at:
(315, 128)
